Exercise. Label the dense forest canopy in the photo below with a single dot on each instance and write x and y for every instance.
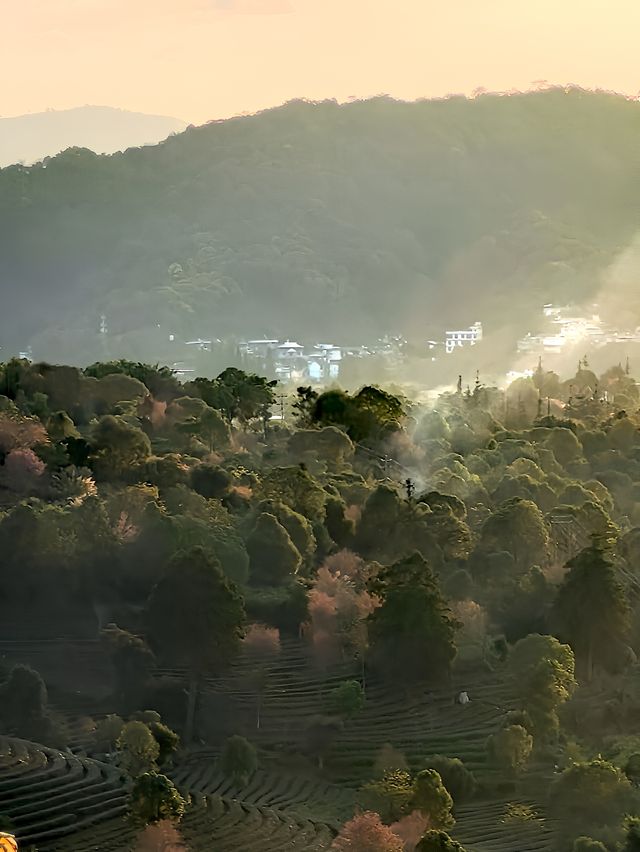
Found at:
(376, 624)
(322, 219)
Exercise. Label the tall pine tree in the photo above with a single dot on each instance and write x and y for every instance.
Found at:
(412, 634)
(591, 609)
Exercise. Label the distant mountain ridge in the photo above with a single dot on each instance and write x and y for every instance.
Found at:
(29, 138)
(325, 220)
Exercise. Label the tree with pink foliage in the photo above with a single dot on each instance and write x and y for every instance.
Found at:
(338, 608)
(21, 470)
(261, 646)
(366, 833)
(410, 829)
(18, 432)
(346, 563)
(321, 627)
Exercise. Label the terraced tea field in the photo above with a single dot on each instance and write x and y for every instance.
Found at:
(49, 793)
(214, 826)
(72, 804)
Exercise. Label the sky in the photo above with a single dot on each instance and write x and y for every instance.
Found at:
(199, 60)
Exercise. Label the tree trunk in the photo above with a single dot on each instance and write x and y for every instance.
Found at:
(191, 708)
(590, 661)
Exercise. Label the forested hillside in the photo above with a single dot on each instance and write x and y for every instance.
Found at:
(321, 219)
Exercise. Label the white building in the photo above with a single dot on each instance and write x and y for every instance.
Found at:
(465, 337)
(288, 350)
(323, 361)
(259, 348)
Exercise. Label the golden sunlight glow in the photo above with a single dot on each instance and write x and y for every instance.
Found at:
(204, 59)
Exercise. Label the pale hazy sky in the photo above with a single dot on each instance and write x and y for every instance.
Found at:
(204, 59)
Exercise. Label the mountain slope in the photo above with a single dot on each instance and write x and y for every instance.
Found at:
(29, 138)
(330, 220)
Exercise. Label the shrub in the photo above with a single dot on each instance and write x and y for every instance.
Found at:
(154, 798)
(460, 783)
(347, 698)
(137, 748)
(239, 760)
(510, 748)
(390, 796)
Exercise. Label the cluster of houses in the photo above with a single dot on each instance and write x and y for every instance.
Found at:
(291, 361)
(316, 362)
(564, 326)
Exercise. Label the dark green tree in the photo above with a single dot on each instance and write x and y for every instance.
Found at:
(432, 799)
(132, 661)
(457, 779)
(295, 487)
(347, 698)
(510, 748)
(589, 797)
(390, 796)
(238, 395)
(543, 670)
(304, 406)
(154, 798)
(168, 741)
(137, 748)
(591, 610)
(117, 446)
(239, 760)
(210, 481)
(273, 557)
(518, 527)
(208, 426)
(412, 633)
(369, 415)
(209, 637)
(160, 381)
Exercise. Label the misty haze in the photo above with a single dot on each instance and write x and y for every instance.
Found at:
(319, 426)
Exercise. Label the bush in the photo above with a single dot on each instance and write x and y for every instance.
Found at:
(273, 557)
(432, 799)
(389, 796)
(510, 748)
(154, 798)
(460, 783)
(347, 698)
(168, 741)
(239, 760)
(107, 732)
(285, 607)
(137, 749)
(210, 481)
